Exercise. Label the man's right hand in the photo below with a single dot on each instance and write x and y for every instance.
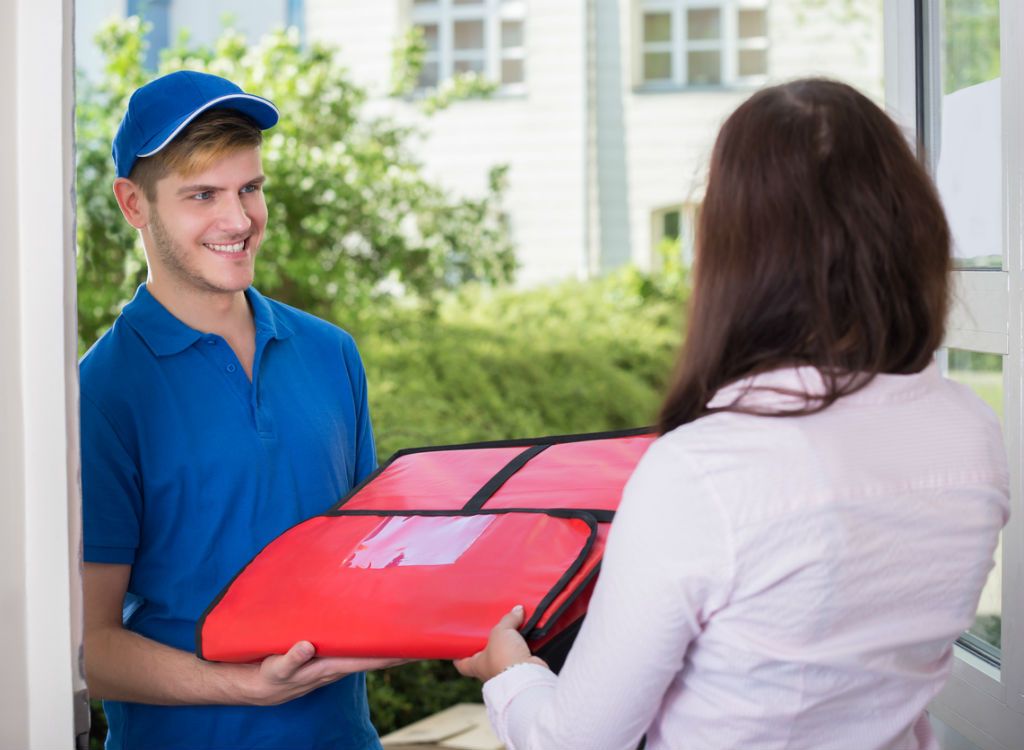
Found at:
(281, 678)
(125, 666)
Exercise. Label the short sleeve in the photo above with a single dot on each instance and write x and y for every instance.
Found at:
(366, 449)
(111, 495)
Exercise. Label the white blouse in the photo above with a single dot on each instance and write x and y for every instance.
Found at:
(781, 582)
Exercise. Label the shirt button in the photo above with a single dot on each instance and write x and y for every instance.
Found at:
(211, 341)
(231, 368)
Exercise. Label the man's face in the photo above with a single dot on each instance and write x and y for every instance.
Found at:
(206, 228)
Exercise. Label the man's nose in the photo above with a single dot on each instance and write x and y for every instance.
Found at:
(233, 217)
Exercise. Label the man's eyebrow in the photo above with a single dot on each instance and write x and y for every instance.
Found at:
(185, 189)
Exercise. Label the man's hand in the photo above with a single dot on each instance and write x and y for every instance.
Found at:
(505, 648)
(281, 678)
(121, 665)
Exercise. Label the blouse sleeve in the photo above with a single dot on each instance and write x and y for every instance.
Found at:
(666, 569)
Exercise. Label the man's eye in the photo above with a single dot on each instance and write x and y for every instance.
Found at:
(203, 196)
(250, 189)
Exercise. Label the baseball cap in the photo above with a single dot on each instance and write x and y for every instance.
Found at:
(162, 108)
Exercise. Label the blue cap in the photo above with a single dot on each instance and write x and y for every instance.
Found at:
(162, 108)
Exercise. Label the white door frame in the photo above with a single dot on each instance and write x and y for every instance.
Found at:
(42, 681)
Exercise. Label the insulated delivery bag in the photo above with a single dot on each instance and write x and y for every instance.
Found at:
(431, 550)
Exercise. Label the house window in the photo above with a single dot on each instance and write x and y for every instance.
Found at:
(703, 42)
(486, 37)
(674, 229)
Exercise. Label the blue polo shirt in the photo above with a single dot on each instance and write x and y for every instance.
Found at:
(189, 469)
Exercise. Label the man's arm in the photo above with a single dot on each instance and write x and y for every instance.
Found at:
(121, 665)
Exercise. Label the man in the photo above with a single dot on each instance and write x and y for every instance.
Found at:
(213, 419)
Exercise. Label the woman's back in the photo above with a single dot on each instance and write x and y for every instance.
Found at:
(854, 544)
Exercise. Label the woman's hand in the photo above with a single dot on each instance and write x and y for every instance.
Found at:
(505, 647)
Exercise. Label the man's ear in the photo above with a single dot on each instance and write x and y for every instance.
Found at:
(132, 202)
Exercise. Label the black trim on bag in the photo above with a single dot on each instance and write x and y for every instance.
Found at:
(526, 442)
(548, 440)
(540, 632)
(545, 602)
(494, 484)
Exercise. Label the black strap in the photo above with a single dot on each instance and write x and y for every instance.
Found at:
(486, 492)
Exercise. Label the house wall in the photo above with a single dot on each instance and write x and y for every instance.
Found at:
(540, 135)
(205, 19)
(669, 134)
(592, 155)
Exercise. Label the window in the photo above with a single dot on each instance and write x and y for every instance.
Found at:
(957, 77)
(703, 42)
(486, 37)
(982, 373)
(677, 225)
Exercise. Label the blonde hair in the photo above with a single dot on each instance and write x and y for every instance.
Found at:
(211, 136)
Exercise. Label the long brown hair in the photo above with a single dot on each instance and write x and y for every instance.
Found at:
(821, 241)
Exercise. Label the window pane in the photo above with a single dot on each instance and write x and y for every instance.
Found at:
(705, 68)
(469, 66)
(512, 71)
(753, 62)
(969, 148)
(657, 27)
(428, 75)
(469, 35)
(983, 373)
(658, 66)
(429, 36)
(670, 225)
(704, 24)
(753, 24)
(511, 33)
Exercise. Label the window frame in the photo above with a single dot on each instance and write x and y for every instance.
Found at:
(982, 702)
(492, 13)
(679, 46)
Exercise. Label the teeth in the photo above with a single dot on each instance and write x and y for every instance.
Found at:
(235, 248)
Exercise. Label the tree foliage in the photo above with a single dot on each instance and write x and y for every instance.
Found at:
(353, 220)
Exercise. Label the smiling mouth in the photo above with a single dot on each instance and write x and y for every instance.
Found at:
(234, 248)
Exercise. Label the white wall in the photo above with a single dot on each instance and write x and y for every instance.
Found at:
(540, 135)
(669, 134)
(203, 18)
(39, 539)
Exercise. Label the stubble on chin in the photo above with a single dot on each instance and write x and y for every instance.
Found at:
(173, 260)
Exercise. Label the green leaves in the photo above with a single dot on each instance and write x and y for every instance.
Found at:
(354, 223)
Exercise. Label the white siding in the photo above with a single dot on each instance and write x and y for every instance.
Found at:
(669, 134)
(205, 19)
(540, 135)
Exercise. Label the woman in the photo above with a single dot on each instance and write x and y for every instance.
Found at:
(795, 555)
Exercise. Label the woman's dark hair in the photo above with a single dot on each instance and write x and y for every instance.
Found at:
(821, 241)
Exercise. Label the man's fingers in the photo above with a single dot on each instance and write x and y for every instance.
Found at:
(285, 666)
